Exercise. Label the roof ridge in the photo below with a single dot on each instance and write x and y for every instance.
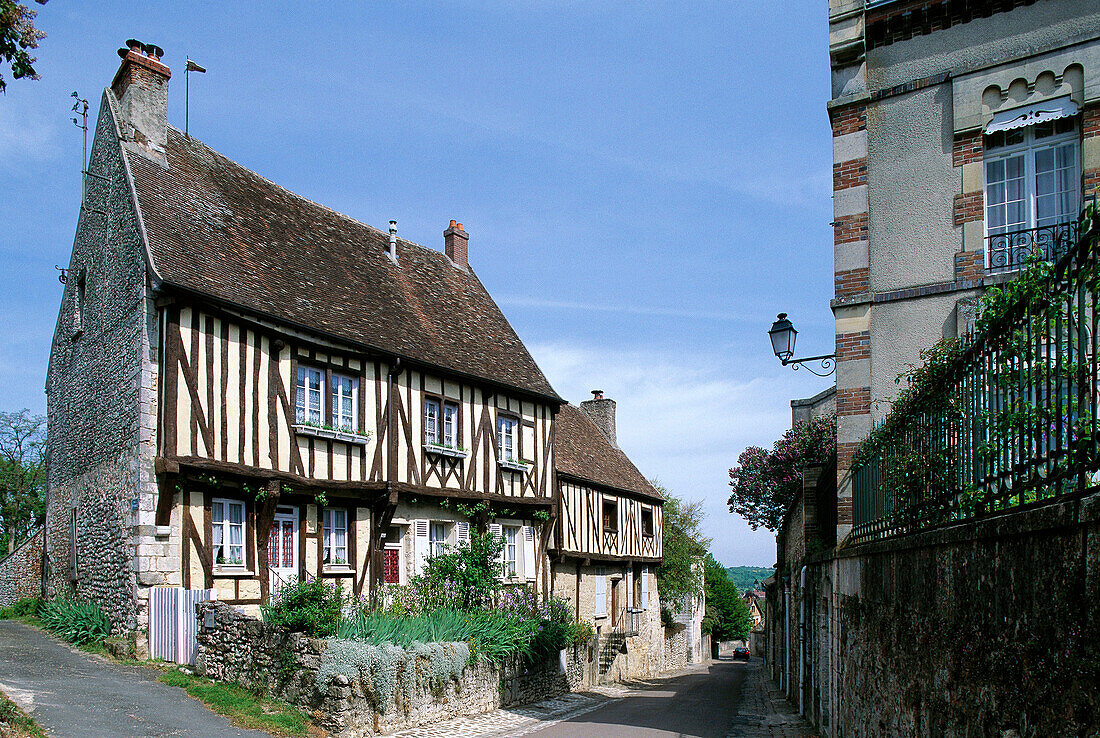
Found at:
(303, 198)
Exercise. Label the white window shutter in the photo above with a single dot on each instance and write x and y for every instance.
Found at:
(496, 532)
(420, 544)
(529, 553)
(645, 587)
(601, 594)
(629, 588)
(463, 532)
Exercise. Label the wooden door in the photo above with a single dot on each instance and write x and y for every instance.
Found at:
(614, 602)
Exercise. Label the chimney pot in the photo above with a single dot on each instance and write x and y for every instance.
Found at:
(455, 241)
(601, 411)
(141, 87)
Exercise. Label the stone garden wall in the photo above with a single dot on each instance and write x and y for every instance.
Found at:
(353, 689)
(677, 647)
(21, 572)
(986, 628)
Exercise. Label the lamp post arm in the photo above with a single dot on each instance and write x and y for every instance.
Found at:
(828, 364)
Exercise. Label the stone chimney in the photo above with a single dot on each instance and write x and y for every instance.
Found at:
(455, 240)
(601, 411)
(141, 88)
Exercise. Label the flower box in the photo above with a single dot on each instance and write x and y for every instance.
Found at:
(513, 465)
(332, 434)
(454, 453)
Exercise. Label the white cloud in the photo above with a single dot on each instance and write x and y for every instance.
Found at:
(684, 420)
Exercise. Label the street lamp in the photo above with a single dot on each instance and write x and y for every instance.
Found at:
(783, 335)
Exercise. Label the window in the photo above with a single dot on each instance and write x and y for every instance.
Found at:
(610, 515)
(437, 539)
(335, 542)
(431, 421)
(1031, 182)
(647, 522)
(308, 403)
(510, 534)
(450, 424)
(81, 301)
(600, 605)
(345, 399)
(506, 439)
(228, 528)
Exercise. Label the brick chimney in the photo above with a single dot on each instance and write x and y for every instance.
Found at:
(455, 240)
(601, 411)
(141, 88)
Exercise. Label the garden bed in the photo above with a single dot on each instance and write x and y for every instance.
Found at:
(355, 688)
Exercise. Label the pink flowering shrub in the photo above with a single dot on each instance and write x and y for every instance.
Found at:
(765, 483)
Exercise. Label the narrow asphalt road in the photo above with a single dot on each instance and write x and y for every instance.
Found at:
(700, 703)
(75, 694)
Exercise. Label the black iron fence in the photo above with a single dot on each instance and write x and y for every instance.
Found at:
(1008, 419)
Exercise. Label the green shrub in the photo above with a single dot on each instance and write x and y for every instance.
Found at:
(75, 621)
(583, 632)
(310, 607)
(466, 577)
(21, 608)
(491, 633)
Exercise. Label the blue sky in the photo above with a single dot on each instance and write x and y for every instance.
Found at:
(645, 184)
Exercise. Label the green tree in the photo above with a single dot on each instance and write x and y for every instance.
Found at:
(22, 476)
(743, 577)
(17, 35)
(727, 615)
(683, 545)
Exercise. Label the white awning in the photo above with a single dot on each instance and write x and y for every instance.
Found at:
(1029, 115)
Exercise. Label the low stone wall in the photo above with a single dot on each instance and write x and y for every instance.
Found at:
(353, 689)
(677, 647)
(987, 628)
(21, 572)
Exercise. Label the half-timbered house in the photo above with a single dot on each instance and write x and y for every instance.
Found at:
(247, 388)
(609, 534)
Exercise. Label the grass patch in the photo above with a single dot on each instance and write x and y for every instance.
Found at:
(15, 723)
(243, 708)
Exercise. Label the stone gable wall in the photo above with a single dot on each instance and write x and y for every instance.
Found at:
(99, 447)
(21, 571)
(261, 656)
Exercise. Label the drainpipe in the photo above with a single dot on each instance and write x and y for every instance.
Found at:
(801, 638)
(786, 636)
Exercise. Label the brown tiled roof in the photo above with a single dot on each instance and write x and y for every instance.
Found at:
(223, 231)
(581, 450)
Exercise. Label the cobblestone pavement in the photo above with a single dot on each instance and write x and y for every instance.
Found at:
(516, 721)
(675, 704)
(763, 712)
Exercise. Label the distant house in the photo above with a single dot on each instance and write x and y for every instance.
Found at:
(756, 602)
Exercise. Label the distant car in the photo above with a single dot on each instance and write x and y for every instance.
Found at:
(741, 652)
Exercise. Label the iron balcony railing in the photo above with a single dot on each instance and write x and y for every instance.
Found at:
(1013, 250)
(1012, 419)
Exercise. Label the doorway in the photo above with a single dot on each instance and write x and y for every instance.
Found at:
(282, 548)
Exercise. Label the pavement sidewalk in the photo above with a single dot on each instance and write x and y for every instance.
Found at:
(763, 711)
(72, 693)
